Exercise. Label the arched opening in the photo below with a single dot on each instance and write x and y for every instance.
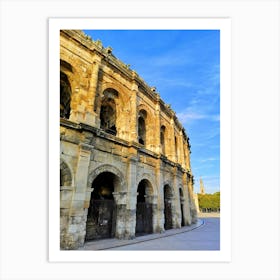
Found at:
(65, 175)
(144, 208)
(142, 127)
(65, 96)
(167, 207)
(182, 207)
(162, 139)
(108, 116)
(101, 218)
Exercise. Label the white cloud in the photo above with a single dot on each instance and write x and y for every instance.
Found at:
(190, 115)
(208, 159)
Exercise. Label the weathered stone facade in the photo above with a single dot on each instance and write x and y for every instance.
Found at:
(124, 156)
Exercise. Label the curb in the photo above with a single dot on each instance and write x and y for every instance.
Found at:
(114, 243)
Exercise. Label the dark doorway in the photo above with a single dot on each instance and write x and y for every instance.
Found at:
(65, 96)
(108, 116)
(144, 209)
(101, 218)
(141, 131)
(167, 207)
(182, 207)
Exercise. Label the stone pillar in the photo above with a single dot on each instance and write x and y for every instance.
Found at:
(172, 150)
(66, 193)
(176, 207)
(160, 199)
(157, 127)
(187, 154)
(187, 203)
(90, 116)
(75, 235)
(133, 118)
(121, 214)
(185, 165)
(132, 194)
(191, 198)
(81, 98)
(181, 150)
(196, 202)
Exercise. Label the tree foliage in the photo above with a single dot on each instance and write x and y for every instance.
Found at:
(209, 202)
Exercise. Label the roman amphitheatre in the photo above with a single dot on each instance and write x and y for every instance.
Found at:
(124, 156)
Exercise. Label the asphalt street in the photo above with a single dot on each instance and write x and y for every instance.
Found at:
(205, 237)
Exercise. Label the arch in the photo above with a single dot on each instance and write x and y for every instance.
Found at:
(168, 184)
(109, 90)
(168, 192)
(65, 66)
(110, 93)
(182, 205)
(102, 212)
(144, 208)
(146, 185)
(65, 96)
(152, 184)
(107, 168)
(108, 115)
(142, 127)
(168, 205)
(65, 174)
(108, 110)
(146, 116)
(168, 147)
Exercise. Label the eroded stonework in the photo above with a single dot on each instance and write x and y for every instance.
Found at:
(125, 158)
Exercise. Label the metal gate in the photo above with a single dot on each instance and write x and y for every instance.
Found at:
(167, 214)
(101, 221)
(144, 218)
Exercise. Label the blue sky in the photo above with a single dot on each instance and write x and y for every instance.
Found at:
(184, 66)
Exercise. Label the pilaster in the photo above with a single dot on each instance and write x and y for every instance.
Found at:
(121, 214)
(77, 216)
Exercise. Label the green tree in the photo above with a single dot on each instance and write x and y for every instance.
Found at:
(209, 202)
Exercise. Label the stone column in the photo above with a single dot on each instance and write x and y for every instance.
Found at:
(66, 193)
(176, 207)
(132, 196)
(121, 214)
(172, 150)
(187, 153)
(157, 143)
(187, 203)
(192, 204)
(160, 199)
(181, 149)
(81, 98)
(90, 116)
(77, 221)
(133, 118)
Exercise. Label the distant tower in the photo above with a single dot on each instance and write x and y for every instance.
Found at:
(202, 190)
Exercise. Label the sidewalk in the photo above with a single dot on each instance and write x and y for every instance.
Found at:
(208, 215)
(113, 242)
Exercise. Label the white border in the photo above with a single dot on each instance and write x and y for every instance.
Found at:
(222, 24)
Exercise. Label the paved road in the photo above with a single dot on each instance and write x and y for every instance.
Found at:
(206, 237)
